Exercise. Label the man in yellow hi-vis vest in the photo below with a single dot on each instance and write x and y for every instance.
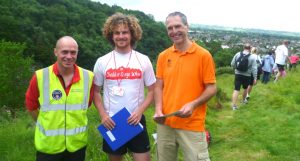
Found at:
(57, 99)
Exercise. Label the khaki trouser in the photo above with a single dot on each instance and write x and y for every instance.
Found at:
(193, 144)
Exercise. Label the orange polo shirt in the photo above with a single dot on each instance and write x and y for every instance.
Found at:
(184, 75)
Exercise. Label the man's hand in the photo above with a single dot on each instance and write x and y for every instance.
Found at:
(108, 122)
(254, 81)
(158, 119)
(135, 118)
(186, 110)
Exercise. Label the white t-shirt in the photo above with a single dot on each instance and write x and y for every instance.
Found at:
(281, 53)
(131, 72)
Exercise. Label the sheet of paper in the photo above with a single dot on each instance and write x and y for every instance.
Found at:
(168, 115)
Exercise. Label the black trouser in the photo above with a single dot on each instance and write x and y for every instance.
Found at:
(259, 72)
(78, 155)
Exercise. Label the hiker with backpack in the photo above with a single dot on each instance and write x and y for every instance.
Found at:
(244, 65)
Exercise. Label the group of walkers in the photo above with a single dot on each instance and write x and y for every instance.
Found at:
(273, 63)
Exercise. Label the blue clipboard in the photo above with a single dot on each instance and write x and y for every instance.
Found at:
(122, 133)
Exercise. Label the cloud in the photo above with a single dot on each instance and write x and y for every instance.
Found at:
(264, 14)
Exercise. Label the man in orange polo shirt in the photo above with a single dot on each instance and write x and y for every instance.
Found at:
(185, 82)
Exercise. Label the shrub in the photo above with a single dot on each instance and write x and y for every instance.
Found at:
(216, 101)
(15, 74)
(223, 70)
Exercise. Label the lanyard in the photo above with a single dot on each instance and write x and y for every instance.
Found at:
(119, 79)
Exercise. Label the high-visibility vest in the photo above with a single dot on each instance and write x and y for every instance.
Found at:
(62, 120)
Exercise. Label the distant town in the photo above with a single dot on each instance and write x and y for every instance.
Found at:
(264, 40)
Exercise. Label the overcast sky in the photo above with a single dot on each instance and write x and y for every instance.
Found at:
(281, 15)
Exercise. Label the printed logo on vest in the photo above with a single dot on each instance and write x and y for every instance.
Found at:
(56, 94)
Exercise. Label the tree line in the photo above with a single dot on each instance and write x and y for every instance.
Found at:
(39, 23)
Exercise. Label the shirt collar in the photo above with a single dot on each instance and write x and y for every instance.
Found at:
(76, 76)
(189, 51)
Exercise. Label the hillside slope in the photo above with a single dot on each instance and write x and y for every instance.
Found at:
(266, 129)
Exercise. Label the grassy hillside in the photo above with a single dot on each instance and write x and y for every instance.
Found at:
(266, 129)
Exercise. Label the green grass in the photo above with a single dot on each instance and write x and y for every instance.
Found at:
(266, 129)
(16, 138)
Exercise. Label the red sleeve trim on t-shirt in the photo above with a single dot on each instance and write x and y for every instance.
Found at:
(32, 95)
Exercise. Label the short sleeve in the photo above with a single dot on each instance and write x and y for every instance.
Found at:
(209, 75)
(98, 73)
(32, 95)
(149, 76)
(159, 66)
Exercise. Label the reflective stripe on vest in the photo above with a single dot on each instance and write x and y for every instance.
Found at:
(62, 121)
(54, 107)
(61, 131)
(46, 106)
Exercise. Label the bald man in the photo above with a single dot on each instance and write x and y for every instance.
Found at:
(57, 98)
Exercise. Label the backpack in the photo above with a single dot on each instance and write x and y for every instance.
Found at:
(241, 63)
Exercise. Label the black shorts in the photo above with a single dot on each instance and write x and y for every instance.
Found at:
(280, 67)
(241, 80)
(139, 144)
(251, 80)
(78, 155)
